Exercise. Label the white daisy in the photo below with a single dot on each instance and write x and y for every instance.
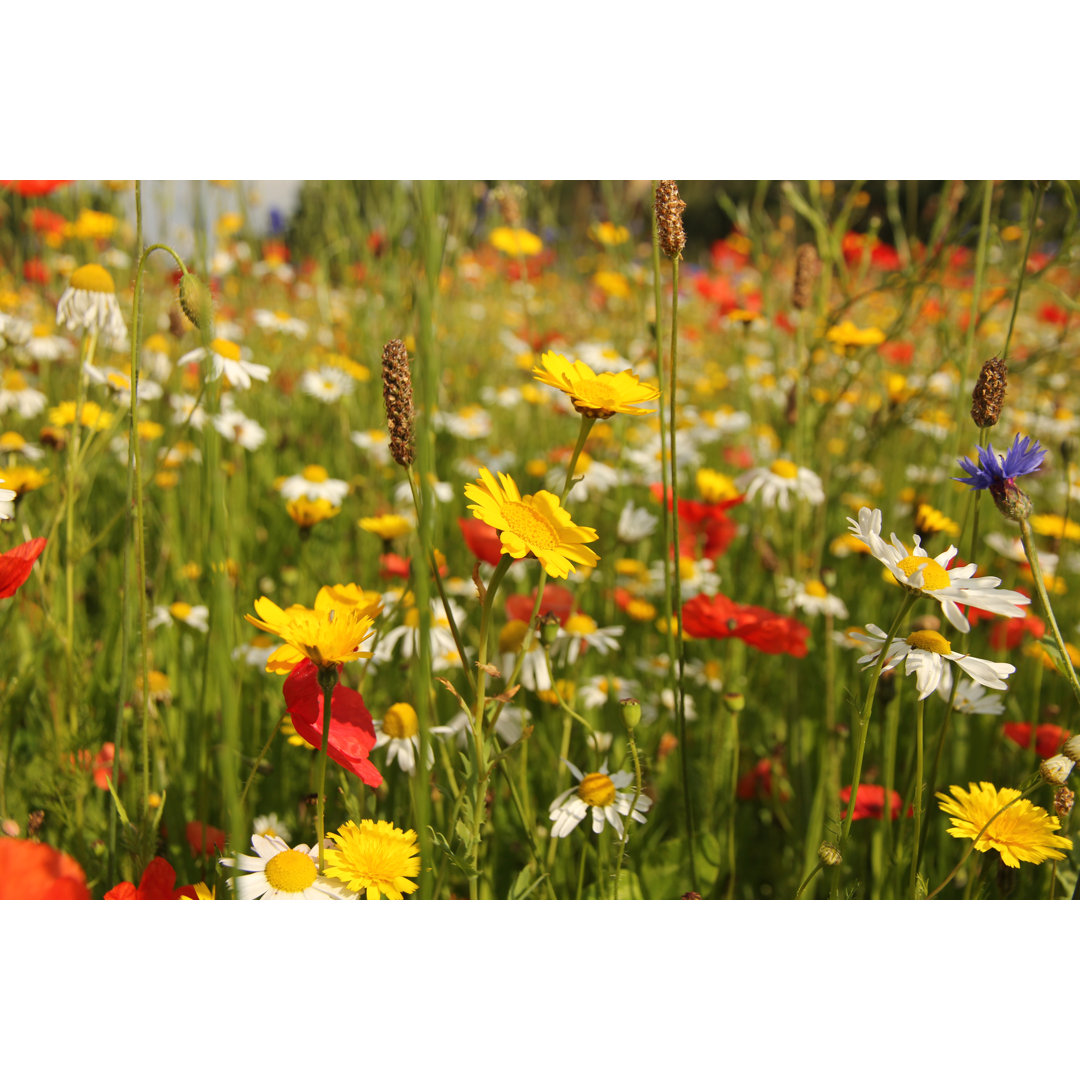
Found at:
(472, 422)
(14, 331)
(89, 303)
(241, 429)
(314, 482)
(185, 409)
(779, 481)
(508, 727)
(376, 443)
(406, 637)
(595, 693)
(280, 321)
(230, 360)
(812, 597)
(970, 697)
(932, 577)
(924, 654)
(196, 616)
(399, 730)
(271, 825)
(7, 496)
(327, 384)
(591, 479)
(11, 442)
(45, 347)
(278, 872)
(635, 523)
(16, 393)
(579, 631)
(599, 792)
(256, 652)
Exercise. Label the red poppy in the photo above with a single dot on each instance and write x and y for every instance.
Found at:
(157, 883)
(1051, 313)
(393, 566)
(717, 290)
(43, 220)
(33, 189)
(352, 734)
(16, 564)
(870, 802)
(482, 540)
(721, 617)
(101, 764)
(557, 601)
(33, 871)
(1008, 633)
(758, 781)
(36, 272)
(783, 321)
(705, 530)
(730, 253)
(204, 839)
(900, 353)
(1048, 737)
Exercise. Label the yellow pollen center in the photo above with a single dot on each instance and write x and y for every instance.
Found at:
(400, 721)
(815, 588)
(412, 618)
(580, 624)
(525, 522)
(596, 789)
(291, 871)
(227, 350)
(93, 278)
(315, 474)
(786, 469)
(512, 635)
(930, 640)
(934, 576)
(11, 440)
(180, 610)
(13, 380)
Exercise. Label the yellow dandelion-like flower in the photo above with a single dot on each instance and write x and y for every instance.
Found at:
(531, 525)
(1056, 526)
(608, 234)
(307, 513)
(597, 395)
(848, 335)
(515, 241)
(928, 520)
(1022, 833)
(92, 415)
(329, 634)
(387, 526)
(715, 487)
(23, 478)
(375, 857)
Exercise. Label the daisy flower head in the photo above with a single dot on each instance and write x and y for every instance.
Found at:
(278, 872)
(1022, 833)
(374, 857)
(596, 395)
(933, 577)
(328, 634)
(399, 729)
(605, 795)
(196, 616)
(812, 597)
(535, 525)
(328, 384)
(635, 523)
(233, 425)
(924, 653)
(7, 497)
(89, 303)
(780, 481)
(228, 359)
(314, 482)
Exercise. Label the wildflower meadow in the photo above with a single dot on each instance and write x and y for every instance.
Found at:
(540, 541)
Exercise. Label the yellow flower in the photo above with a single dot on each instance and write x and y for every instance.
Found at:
(92, 416)
(307, 513)
(92, 225)
(376, 857)
(929, 520)
(715, 487)
(23, 478)
(534, 525)
(848, 335)
(1056, 526)
(597, 395)
(604, 232)
(386, 526)
(1024, 832)
(515, 241)
(329, 634)
(612, 283)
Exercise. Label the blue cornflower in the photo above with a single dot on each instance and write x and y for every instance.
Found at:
(995, 470)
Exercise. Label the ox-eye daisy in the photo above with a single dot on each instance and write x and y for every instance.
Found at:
(924, 653)
(781, 480)
(278, 872)
(933, 577)
(230, 360)
(601, 793)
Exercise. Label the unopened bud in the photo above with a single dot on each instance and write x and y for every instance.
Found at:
(549, 629)
(631, 712)
(1056, 770)
(734, 702)
(1011, 501)
(1071, 749)
(690, 896)
(195, 301)
(829, 854)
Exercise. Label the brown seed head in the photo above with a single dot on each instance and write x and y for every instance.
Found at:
(34, 820)
(807, 268)
(989, 394)
(509, 197)
(398, 398)
(1063, 802)
(669, 225)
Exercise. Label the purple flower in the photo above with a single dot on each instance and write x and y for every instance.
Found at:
(994, 470)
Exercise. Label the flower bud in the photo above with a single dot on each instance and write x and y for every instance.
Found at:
(1056, 770)
(631, 712)
(195, 301)
(549, 629)
(1071, 749)
(734, 702)
(829, 854)
(1011, 501)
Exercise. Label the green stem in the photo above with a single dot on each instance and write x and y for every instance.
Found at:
(1023, 269)
(630, 813)
(920, 708)
(328, 677)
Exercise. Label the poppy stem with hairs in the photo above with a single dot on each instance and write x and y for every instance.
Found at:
(328, 677)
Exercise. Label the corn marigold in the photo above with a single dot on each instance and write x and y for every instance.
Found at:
(375, 857)
(598, 395)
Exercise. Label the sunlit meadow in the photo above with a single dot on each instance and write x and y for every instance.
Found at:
(540, 541)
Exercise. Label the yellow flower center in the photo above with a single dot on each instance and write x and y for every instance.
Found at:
(512, 635)
(13, 380)
(786, 469)
(314, 474)
(596, 789)
(227, 350)
(93, 278)
(291, 871)
(531, 526)
(595, 393)
(580, 624)
(11, 440)
(412, 618)
(180, 610)
(815, 588)
(400, 721)
(934, 575)
(930, 641)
